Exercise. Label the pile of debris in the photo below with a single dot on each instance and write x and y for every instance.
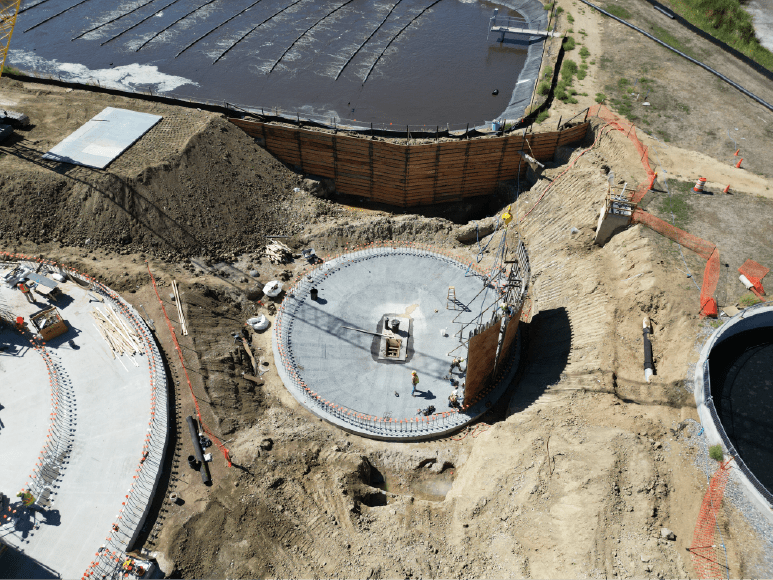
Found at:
(278, 253)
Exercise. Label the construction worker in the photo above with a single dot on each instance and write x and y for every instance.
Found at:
(26, 498)
(507, 217)
(128, 564)
(26, 291)
(415, 381)
(453, 399)
(457, 363)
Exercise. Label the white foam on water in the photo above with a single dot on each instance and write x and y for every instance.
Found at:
(128, 77)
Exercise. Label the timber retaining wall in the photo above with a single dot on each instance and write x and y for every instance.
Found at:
(409, 175)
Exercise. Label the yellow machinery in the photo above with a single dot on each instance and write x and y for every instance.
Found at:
(8, 11)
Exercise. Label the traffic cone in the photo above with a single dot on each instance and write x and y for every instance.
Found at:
(738, 165)
(726, 189)
(737, 152)
(699, 185)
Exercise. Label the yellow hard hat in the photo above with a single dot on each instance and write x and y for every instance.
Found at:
(413, 372)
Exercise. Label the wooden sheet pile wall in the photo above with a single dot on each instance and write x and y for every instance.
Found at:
(409, 175)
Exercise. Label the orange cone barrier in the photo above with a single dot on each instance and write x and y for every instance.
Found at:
(699, 184)
(726, 189)
(737, 152)
(738, 165)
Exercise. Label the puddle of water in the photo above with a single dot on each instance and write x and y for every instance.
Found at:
(441, 70)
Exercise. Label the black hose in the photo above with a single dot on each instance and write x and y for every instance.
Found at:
(368, 39)
(253, 29)
(647, 349)
(55, 15)
(200, 38)
(173, 23)
(140, 22)
(113, 19)
(395, 38)
(700, 64)
(205, 477)
(306, 32)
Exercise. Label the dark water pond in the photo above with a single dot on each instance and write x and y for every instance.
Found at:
(440, 70)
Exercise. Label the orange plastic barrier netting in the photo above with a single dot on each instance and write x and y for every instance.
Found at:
(698, 245)
(707, 559)
(602, 112)
(207, 430)
(755, 273)
(709, 286)
(704, 249)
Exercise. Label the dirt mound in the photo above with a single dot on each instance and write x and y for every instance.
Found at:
(220, 194)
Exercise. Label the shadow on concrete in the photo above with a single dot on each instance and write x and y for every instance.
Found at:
(16, 564)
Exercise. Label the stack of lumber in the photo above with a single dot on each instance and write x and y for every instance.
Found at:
(278, 253)
(117, 333)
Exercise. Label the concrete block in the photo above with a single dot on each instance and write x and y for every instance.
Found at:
(609, 224)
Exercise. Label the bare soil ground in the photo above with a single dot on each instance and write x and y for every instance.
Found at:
(573, 476)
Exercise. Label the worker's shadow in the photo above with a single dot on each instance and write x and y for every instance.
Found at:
(429, 395)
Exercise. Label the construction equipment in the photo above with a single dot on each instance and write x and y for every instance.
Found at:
(8, 11)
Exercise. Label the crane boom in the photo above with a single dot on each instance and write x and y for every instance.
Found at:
(8, 11)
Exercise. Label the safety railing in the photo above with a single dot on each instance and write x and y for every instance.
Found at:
(136, 502)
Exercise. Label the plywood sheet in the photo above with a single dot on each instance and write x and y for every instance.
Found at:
(103, 138)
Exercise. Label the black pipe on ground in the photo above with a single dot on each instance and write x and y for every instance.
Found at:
(205, 477)
(648, 368)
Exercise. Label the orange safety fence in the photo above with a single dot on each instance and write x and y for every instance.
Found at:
(755, 272)
(704, 249)
(705, 552)
(602, 112)
(206, 429)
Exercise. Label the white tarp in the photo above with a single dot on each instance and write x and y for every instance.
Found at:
(103, 138)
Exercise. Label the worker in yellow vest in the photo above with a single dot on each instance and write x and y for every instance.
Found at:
(26, 498)
(414, 381)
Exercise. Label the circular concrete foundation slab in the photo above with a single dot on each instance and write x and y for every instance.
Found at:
(83, 431)
(331, 354)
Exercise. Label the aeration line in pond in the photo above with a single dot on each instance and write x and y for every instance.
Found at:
(200, 38)
(140, 22)
(113, 19)
(395, 38)
(55, 15)
(207, 3)
(253, 29)
(368, 39)
(306, 32)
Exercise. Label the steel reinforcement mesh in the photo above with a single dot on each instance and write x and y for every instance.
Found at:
(708, 557)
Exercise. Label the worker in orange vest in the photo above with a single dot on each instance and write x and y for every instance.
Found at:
(26, 291)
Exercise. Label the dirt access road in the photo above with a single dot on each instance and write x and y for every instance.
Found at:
(574, 474)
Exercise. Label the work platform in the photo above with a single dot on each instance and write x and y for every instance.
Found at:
(518, 26)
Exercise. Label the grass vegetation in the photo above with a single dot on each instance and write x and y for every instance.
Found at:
(618, 11)
(748, 299)
(670, 39)
(11, 70)
(600, 97)
(542, 116)
(569, 18)
(569, 43)
(677, 204)
(715, 452)
(727, 21)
